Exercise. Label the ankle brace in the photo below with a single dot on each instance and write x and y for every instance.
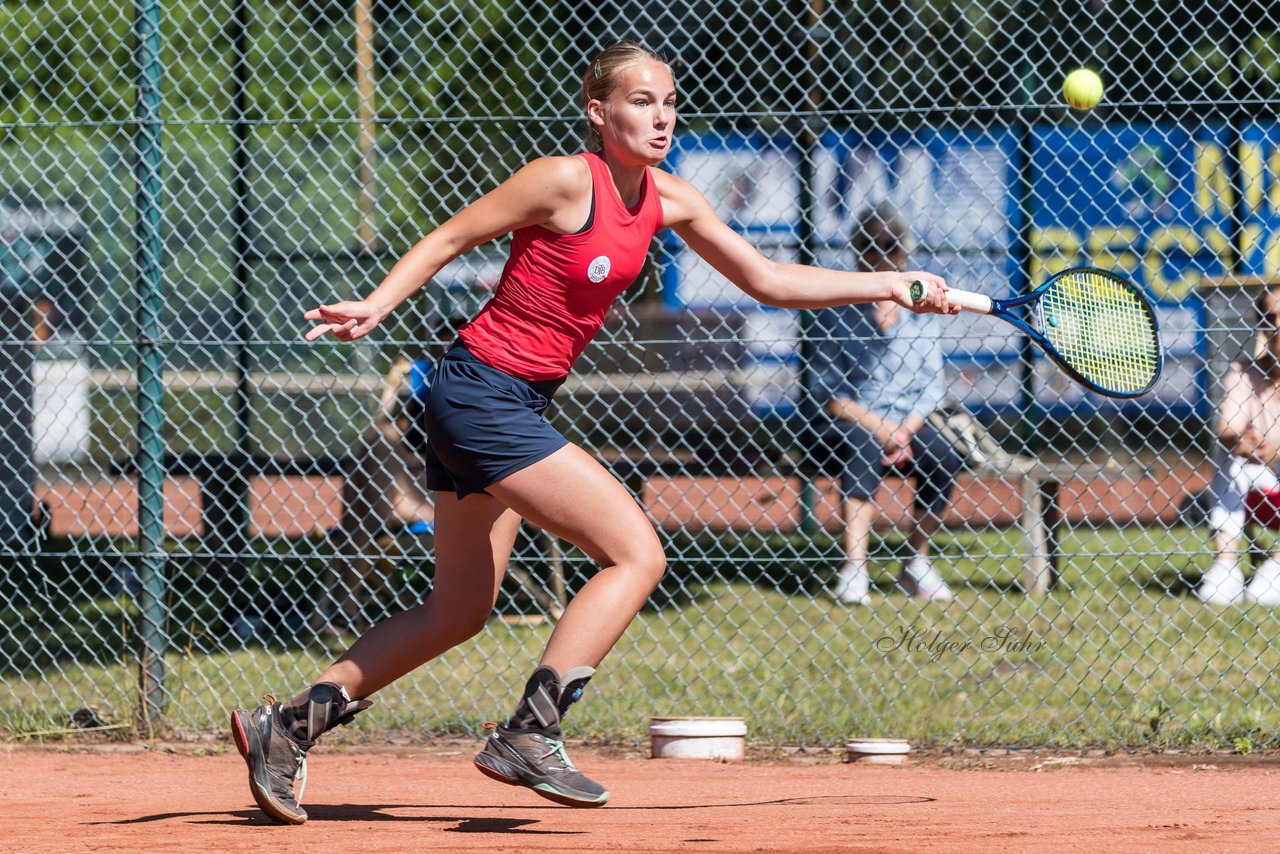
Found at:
(319, 709)
(547, 697)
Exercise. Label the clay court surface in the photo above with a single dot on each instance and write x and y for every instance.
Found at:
(134, 799)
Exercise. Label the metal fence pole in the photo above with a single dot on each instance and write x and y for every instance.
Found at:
(1029, 417)
(233, 537)
(807, 142)
(149, 285)
(17, 473)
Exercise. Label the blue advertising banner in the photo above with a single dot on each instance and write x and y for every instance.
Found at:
(1152, 202)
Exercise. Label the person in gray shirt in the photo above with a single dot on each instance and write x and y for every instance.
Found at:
(877, 374)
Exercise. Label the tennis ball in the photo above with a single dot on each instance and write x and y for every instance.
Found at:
(1082, 88)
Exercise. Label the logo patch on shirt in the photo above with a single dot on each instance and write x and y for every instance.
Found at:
(598, 269)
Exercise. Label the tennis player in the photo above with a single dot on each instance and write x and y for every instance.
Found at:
(581, 228)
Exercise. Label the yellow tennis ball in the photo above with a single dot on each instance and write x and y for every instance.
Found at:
(1082, 88)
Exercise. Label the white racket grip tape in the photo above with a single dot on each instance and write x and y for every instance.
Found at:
(968, 300)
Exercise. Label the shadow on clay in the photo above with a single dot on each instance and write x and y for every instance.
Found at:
(473, 824)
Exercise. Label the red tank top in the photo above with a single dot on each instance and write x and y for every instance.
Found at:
(555, 289)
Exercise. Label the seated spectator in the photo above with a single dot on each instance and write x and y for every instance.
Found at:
(1245, 483)
(878, 375)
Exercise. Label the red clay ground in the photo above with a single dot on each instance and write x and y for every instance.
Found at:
(142, 800)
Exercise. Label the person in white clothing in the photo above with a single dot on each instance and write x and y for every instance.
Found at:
(1246, 466)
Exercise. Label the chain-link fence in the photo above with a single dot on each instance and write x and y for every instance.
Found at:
(219, 507)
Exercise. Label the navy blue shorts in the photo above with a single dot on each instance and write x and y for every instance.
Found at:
(483, 424)
(854, 454)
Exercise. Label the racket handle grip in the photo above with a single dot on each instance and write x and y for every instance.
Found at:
(968, 300)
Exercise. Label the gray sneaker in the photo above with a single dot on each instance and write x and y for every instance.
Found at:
(274, 740)
(275, 761)
(537, 760)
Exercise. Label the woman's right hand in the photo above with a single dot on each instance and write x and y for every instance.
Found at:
(346, 321)
(935, 298)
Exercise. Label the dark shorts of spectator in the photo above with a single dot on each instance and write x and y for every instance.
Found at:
(483, 424)
(851, 453)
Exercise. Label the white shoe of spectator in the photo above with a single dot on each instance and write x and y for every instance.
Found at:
(922, 581)
(1264, 587)
(852, 585)
(1223, 584)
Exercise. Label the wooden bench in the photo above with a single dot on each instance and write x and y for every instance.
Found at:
(1037, 482)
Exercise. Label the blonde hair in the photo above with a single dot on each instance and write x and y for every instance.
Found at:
(601, 77)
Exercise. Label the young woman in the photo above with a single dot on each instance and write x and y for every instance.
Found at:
(582, 226)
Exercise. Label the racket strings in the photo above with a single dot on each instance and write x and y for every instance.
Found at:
(1102, 330)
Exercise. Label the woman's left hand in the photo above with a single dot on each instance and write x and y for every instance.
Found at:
(345, 321)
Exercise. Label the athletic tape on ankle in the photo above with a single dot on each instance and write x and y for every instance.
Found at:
(543, 707)
(572, 685)
(328, 706)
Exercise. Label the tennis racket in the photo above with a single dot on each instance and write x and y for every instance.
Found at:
(1098, 327)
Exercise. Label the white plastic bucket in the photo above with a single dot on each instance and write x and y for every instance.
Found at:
(697, 738)
(60, 411)
(876, 751)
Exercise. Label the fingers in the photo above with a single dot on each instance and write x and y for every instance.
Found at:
(935, 298)
(896, 458)
(342, 331)
(323, 329)
(344, 321)
(947, 306)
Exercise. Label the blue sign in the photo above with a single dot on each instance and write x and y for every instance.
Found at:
(1151, 202)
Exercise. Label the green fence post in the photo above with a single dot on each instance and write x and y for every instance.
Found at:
(808, 250)
(150, 283)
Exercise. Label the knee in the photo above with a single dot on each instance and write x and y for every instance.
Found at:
(650, 565)
(458, 621)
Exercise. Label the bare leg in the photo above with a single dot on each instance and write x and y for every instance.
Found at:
(474, 538)
(858, 514)
(1226, 547)
(572, 496)
(922, 532)
(568, 494)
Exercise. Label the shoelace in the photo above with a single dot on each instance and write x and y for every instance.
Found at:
(300, 775)
(556, 749)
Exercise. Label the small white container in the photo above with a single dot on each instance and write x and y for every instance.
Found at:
(876, 751)
(60, 416)
(697, 738)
